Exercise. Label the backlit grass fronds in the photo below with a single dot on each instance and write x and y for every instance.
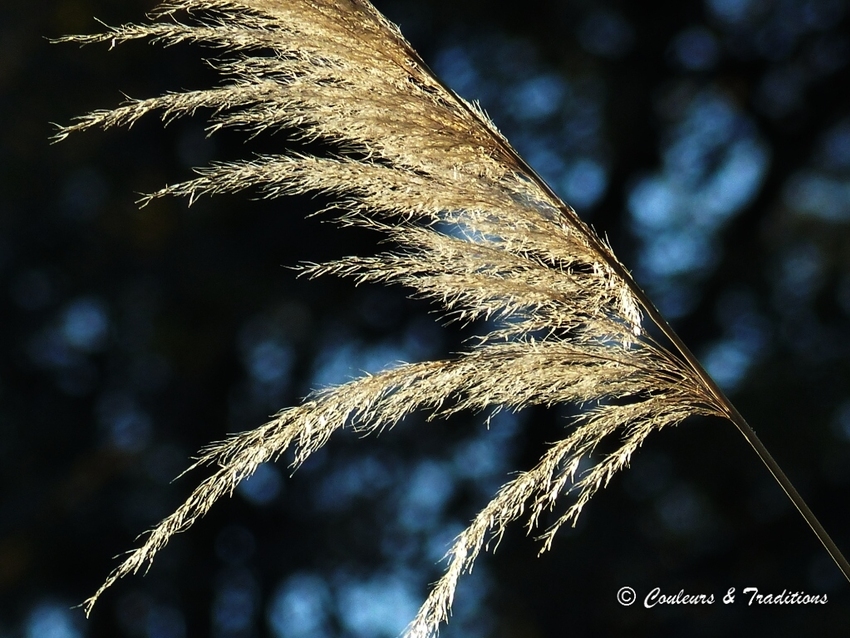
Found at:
(474, 228)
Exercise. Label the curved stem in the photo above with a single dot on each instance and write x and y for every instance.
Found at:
(655, 315)
(733, 415)
(747, 431)
(731, 411)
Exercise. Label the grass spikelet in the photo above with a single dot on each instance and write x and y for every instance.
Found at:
(474, 228)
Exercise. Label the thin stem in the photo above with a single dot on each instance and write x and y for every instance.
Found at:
(792, 493)
(655, 315)
(747, 431)
(733, 415)
(731, 411)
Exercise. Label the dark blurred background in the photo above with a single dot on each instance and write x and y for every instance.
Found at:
(709, 139)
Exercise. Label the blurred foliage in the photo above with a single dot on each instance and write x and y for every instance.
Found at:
(709, 140)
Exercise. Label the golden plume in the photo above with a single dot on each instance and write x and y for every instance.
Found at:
(475, 228)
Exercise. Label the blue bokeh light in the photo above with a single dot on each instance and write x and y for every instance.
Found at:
(379, 607)
(485, 457)
(733, 11)
(745, 341)
(128, 427)
(457, 69)
(713, 167)
(49, 349)
(538, 97)
(345, 359)
(263, 486)
(800, 273)
(813, 194)
(841, 421)
(424, 495)
(269, 362)
(236, 604)
(300, 608)
(350, 479)
(85, 324)
(835, 147)
(51, 620)
(584, 183)
(696, 49)
(165, 622)
(606, 33)
(727, 363)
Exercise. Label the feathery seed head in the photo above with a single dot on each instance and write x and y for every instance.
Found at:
(475, 228)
